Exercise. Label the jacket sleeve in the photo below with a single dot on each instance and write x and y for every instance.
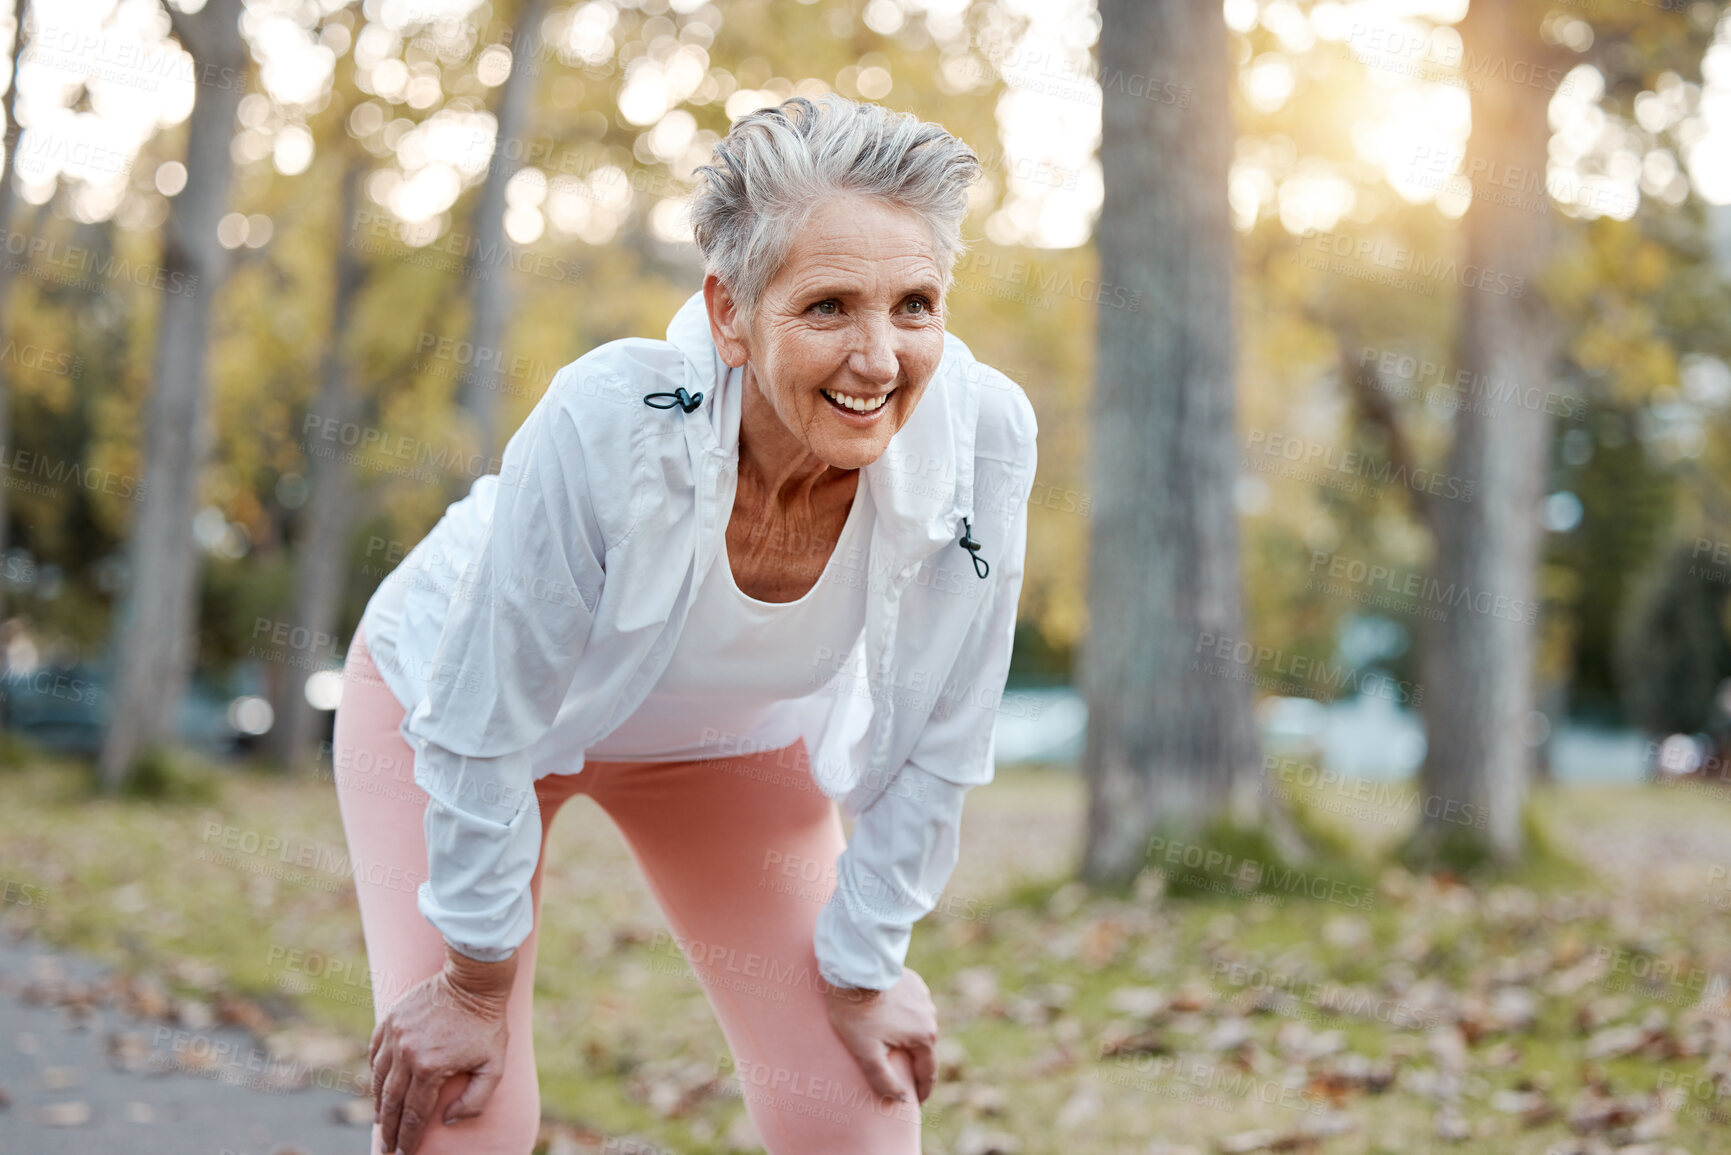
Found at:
(905, 843)
(518, 621)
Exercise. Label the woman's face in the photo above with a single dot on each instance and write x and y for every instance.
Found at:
(853, 315)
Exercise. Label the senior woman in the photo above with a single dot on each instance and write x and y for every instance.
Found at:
(720, 583)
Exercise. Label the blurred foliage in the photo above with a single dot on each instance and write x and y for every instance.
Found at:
(1636, 298)
(1674, 651)
(165, 775)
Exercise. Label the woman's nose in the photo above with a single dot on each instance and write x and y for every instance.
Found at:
(874, 359)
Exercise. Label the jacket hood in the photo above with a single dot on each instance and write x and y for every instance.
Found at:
(922, 485)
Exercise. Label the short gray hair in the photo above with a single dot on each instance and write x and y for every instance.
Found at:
(776, 164)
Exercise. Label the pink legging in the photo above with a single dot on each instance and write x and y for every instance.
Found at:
(713, 838)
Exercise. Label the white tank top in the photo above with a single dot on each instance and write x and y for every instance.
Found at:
(741, 666)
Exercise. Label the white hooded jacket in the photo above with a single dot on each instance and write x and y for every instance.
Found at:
(544, 606)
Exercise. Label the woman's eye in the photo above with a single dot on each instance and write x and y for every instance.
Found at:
(827, 308)
(919, 305)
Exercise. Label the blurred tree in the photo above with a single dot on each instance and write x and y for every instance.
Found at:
(8, 200)
(489, 283)
(1166, 743)
(1672, 650)
(1643, 301)
(66, 529)
(1481, 663)
(156, 627)
(334, 496)
(1629, 294)
(1628, 504)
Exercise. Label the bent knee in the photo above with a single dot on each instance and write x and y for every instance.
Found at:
(509, 1124)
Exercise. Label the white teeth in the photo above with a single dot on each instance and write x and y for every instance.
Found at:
(858, 404)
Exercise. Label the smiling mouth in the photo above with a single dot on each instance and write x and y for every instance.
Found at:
(857, 406)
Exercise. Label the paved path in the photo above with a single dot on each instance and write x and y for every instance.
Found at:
(81, 1078)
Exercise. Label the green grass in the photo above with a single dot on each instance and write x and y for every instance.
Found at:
(135, 881)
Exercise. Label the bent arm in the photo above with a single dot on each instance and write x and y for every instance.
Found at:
(515, 629)
(905, 844)
(903, 848)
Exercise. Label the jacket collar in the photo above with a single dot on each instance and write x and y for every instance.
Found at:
(922, 485)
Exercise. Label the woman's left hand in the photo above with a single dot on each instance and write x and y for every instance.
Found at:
(449, 1024)
(870, 1023)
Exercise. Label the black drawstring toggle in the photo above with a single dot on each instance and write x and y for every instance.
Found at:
(679, 397)
(968, 543)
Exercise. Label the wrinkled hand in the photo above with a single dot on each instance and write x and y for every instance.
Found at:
(870, 1023)
(450, 1024)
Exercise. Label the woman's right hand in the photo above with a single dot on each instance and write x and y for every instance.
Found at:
(450, 1024)
(871, 1023)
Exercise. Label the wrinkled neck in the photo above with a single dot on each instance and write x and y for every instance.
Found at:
(773, 463)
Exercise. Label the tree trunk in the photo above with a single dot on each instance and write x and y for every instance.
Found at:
(1719, 238)
(1479, 662)
(1168, 742)
(322, 546)
(489, 286)
(8, 199)
(156, 625)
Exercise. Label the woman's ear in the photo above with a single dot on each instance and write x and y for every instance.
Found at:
(726, 325)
